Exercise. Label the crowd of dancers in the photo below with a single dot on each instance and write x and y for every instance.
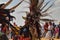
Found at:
(49, 30)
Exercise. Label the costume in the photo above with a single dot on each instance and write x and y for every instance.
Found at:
(49, 33)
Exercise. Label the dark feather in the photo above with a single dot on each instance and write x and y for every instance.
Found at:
(40, 5)
(45, 5)
(47, 20)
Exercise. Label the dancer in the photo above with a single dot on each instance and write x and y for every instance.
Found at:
(49, 33)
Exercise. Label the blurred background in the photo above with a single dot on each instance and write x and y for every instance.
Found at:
(54, 10)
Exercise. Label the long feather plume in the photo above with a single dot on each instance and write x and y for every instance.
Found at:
(4, 6)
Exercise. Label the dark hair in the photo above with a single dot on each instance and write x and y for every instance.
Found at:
(50, 23)
(1, 5)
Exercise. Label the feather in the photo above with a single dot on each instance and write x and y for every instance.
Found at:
(40, 3)
(16, 5)
(49, 7)
(47, 20)
(5, 5)
(45, 5)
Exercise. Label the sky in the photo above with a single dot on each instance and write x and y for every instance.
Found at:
(55, 10)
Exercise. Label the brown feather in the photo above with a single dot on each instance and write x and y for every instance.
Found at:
(16, 5)
(47, 20)
(4, 6)
(40, 5)
(45, 5)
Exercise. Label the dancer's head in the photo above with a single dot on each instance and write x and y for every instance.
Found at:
(1, 5)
